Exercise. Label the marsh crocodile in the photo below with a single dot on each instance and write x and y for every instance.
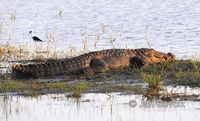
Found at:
(93, 62)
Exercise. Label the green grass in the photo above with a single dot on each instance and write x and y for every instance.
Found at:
(7, 86)
(118, 87)
(77, 89)
(179, 72)
(60, 86)
(185, 73)
(154, 83)
(187, 78)
(34, 89)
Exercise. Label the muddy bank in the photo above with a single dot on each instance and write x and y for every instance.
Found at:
(75, 89)
(128, 81)
(179, 72)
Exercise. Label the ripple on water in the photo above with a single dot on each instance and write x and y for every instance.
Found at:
(95, 106)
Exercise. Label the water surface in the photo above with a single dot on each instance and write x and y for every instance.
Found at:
(96, 107)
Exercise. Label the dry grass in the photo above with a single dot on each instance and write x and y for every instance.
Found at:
(50, 48)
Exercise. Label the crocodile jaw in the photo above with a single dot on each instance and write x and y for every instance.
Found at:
(158, 57)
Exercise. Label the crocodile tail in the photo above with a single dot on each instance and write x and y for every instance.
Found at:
(36, 70)
(21, 71)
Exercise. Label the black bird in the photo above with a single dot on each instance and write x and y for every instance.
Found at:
(36, 39)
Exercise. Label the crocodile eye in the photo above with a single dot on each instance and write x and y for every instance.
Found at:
(171, 55)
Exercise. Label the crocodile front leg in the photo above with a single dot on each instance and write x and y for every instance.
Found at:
(138, 62)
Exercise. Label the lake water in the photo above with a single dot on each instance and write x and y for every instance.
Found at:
(166, 25)
(96, 107)
(99, 107)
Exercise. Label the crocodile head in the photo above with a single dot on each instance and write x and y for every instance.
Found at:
(152, 56)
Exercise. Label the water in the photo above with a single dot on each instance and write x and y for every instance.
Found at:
(96, 107)
(167, 25)
(99, 107)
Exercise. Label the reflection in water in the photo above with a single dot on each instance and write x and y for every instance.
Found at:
(9, 107)
(94, 107)
(6, 106)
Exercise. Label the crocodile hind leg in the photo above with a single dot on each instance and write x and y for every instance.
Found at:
(96, 66)
(138, 62)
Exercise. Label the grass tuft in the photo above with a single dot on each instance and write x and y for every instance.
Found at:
(154, 83)
(7, 86)
(77, 89)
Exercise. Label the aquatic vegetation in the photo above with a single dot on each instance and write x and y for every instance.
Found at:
(179, 72)
(34, 90)
(9, 85)
(125, 88)
(77, 89)
(154, 83)
(61, 86)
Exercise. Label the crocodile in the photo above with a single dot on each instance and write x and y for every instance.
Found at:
(92, 63)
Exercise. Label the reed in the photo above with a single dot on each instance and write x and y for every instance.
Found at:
(77, 89)
(154, 83)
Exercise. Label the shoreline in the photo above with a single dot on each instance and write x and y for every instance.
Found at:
(176, 73)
